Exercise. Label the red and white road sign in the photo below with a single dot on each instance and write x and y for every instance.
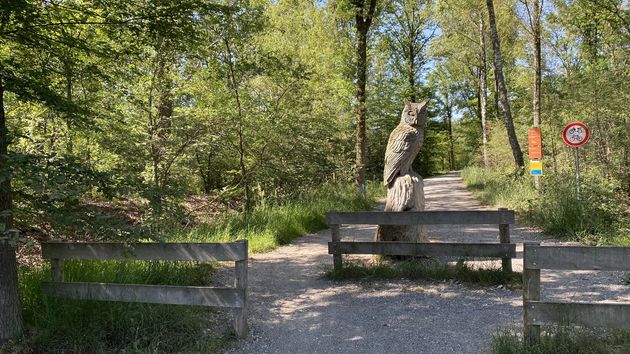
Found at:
(575, 134)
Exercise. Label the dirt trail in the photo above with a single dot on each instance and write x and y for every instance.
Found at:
(295, 310)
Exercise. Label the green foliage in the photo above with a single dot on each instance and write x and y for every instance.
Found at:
(599, 217)
(60, 325)
(562, 340)
(424, 270)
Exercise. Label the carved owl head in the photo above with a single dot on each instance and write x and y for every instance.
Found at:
(415, 114)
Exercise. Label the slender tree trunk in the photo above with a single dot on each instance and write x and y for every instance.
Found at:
(503, 92)
(69, 86)
(411, 79)
(497, 106)
(363, 22)
(361, 143)
(449, 121)
(10, 316)
(483, 89)
(240, 131)
(537, 64)
(537, 73)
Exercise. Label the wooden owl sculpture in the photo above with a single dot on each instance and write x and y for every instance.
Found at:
(405, 188)
(405, 141)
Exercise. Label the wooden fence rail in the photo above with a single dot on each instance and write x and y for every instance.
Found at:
(503, 217)
(537, 313)
(235, 297)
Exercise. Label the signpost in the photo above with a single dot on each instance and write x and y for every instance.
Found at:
(534, 140)
(576, 134)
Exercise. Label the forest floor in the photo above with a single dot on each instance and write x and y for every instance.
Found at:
(294, 309)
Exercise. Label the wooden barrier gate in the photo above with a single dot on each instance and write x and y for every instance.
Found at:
(503, 217)
(235, 297)
(588, 314)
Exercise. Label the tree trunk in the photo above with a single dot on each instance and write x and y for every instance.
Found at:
(411, 80)
(406, 194)
(363, 22)
(502, 87)
(361, 113)
(449, 121)
(10, 316)
(483, 90)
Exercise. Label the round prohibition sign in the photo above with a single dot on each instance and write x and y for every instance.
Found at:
(575, 134)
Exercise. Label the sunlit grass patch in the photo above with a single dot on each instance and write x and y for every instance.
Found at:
(563, 340)
(268, 227)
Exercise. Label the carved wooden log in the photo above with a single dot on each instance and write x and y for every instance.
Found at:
(405, 194)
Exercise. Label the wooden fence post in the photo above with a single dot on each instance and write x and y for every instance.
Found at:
(504, 237)
(56, 268)
(531, 292)
(240, 282)
(336, 237)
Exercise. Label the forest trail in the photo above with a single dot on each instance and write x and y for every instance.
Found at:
(295, 310)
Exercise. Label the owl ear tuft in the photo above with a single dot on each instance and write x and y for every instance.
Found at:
(407, 102)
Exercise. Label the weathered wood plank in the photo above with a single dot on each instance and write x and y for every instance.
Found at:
(336, 237)
(421, 217)
(240, 314)
(531, 292)
(497, 250)
(146, 251)
(56, 268)
(580, 314)
(152, 294)
(578, 258)
(504, 237)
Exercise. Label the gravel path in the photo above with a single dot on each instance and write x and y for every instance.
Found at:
(294, 310)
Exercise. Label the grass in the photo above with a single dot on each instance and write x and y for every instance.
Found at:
(424, 270)
(61, 325)
(268, 227)
(600, 217)
(563, 340)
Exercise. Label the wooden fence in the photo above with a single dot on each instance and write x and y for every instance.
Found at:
(235, 297)
(502, 217)
(537, 313)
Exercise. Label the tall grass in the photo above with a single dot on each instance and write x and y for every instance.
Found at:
(563, 340)
(61, 325)
(599, 217)
(268, 227)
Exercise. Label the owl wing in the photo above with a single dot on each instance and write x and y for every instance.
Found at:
(400, 148)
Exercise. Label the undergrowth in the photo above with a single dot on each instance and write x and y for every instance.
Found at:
(61, 325)
(268, 227)
(563, 340)
(427, 269)
(600, 217)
